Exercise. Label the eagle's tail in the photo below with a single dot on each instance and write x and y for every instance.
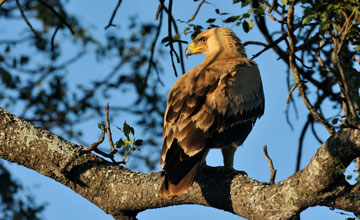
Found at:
(180, 171)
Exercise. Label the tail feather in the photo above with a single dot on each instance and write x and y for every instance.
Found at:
(180, 171)
(169, 190)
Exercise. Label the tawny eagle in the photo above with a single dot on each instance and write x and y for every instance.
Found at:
(214, 105)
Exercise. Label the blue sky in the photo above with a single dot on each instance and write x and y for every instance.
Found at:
(271, 129)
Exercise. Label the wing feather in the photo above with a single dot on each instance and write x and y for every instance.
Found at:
(212, 102)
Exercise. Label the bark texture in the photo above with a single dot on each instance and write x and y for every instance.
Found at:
(131, 192)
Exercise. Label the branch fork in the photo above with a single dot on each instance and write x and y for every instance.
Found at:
(94, 146)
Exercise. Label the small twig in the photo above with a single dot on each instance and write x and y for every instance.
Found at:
(314, 133)
(53, 38)
(321, 62)
(254, 43)
(290, 92)
(271, 166)
(110, 156)
(344, 85)
(108, 127)
(171, 45)
(275, 19)
(152, 51)
(271, 7)
(181, 56)
(58, 15)
(288, 118)
(37, 35)
(196, 12)
(271, 45)
(94, 145)
(110, 24)
(301, 142)
(160, 7)
(177, 41)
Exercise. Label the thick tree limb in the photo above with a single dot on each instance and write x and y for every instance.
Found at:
(131, 192)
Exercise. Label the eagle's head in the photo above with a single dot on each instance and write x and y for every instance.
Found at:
(215, 40)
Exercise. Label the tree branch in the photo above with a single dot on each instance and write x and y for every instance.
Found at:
(37, 35)
(295, 71)
(113, 15)
(63, 21)
(100, 181)
(271, 166)
(196, 12)
(160, 7)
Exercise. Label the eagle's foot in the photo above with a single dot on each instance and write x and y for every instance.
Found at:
(234, 171)
(226, 169)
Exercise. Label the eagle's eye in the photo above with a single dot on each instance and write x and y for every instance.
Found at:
(203, 39)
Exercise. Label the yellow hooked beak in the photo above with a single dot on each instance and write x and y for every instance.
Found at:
(190, 50)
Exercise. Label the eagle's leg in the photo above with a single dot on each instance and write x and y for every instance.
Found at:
(228, 155)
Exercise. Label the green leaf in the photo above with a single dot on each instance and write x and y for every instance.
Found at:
(120, 143)
(217, 11)
(101, 125)
(236, 1)
(186, 30)
(307, 19)
(246, 15)
(127, 143)
(285, 2)
(126, 129)
(245, 3)
(262, 7)
(231, 19)
(132, 131)
(138, 142)
(357, 47)
(323, 27)
(245, 26)
(251, 10)
(334, 121)
(348, 177)
(251, 24)
(176, 36)
(211, 20)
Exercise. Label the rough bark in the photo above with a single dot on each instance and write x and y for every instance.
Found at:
(131, 192)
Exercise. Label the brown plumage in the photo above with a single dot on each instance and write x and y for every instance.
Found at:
(214, 105)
